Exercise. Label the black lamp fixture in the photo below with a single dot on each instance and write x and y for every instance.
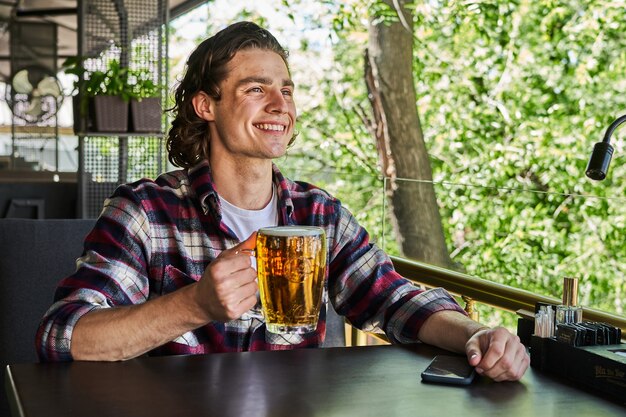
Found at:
(602, 152)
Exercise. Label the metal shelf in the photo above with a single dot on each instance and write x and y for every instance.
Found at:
(133, 33)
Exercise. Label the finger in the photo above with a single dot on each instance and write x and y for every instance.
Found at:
(225, 266)
(238, 279)
(515, 370)
(240, 255)
(491, 357)
(248, 292)
(522, 361)
(511, 363)
(230, 298)
(502, 370)
(244, 299)
(247, 303)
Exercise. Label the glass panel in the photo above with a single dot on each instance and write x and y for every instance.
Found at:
(524, 238)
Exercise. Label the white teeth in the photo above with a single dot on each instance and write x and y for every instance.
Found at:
(267, 126)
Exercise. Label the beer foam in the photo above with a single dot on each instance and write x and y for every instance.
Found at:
(291, 231)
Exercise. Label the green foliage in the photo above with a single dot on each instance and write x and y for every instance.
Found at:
(142, 85)
(114, 81)
(511, 95)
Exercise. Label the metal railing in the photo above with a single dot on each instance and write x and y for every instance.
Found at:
(473, 289)
(481, 290)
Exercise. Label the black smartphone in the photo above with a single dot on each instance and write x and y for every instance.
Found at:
(448, 369)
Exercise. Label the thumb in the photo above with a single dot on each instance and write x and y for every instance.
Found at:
(472, 349)
(247, 245)
(474, 357)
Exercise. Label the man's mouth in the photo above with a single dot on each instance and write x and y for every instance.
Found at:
(270, 127)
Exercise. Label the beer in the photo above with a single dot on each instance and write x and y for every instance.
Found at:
(291, 265)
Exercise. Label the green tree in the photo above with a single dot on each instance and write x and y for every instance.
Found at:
(512, 96)
(401, 149)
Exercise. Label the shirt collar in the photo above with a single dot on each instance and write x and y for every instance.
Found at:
(285, 204)
(201, 181)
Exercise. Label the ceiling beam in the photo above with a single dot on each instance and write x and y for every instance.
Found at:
(185, 6)
(59, 11)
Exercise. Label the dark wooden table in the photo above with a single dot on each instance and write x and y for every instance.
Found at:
(361, 381)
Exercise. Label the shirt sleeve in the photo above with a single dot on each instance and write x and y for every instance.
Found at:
(111, 272)
(365, 288)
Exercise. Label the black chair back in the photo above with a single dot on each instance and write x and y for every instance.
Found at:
(34, 256)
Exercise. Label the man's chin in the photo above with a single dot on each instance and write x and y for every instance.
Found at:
(277, 151)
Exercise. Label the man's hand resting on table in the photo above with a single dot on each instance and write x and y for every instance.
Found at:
(497, 354)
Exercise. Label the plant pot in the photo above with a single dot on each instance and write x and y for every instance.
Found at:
(146, 115)
(109, 113)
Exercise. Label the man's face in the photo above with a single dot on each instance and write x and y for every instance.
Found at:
(256, 114)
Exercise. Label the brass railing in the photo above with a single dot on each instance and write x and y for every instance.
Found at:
(488, 292)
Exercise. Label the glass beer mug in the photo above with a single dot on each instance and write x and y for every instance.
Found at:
(291, 265)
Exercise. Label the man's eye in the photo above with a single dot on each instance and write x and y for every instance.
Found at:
(288, 93)
(256, 90)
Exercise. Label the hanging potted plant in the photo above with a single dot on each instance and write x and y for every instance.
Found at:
(102, 105)
(145, 103)
(109, 94)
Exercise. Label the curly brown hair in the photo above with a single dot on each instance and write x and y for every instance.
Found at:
(188, 138)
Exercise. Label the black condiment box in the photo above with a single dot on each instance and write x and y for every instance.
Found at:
(600, 367)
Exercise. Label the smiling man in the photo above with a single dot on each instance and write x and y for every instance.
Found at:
(163, 271)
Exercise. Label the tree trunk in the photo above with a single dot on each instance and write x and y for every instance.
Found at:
(402, 152)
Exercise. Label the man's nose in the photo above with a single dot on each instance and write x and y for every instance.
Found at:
(277, 102)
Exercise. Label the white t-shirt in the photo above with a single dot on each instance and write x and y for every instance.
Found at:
(244, 222)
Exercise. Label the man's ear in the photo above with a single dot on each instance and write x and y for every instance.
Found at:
(203, 105)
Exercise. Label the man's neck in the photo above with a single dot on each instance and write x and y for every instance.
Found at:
(247, 185)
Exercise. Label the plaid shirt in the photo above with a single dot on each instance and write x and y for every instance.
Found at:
(154, 237)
